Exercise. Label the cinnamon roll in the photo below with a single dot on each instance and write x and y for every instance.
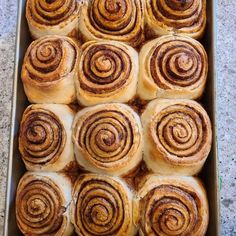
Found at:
(108, 72)
(172, 206)
(186, 17)
(102, 205)
(178, 136)
(53, 17)
(45, 141)
(50, 69)
(121, 20)
(42, 204)
(172, 67)
(108, 139)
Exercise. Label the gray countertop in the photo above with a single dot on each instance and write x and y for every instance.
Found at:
(226, 105)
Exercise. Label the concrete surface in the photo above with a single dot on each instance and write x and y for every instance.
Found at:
(226, 61)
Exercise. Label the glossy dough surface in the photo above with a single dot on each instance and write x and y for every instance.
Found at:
(45, 138)
(108, 139)
(121, 20)
(102, 205)
(55, 17)
(42, 204)
(50, 69)
(176, 17)
(108, 72)
(172, 67)
(172, 206)
(177, 136)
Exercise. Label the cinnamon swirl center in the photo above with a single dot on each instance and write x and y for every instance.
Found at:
(177, 63)
(52, 12)
(105, 68)
(39, 207)
(170, 210)
(181, 130)
(101, 207)
(42, 137)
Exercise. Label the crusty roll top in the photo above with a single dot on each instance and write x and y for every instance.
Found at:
(45, 139)
(108, 71)
(108, 138)
(172, 67)
(42, 204)
(49, 70)
(176, 17)
(102, 205)
(178, 133)
(120, 20)
(53, 17)
(49, 59)
(172, 206)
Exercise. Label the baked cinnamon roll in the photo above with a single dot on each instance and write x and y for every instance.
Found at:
(102, 205)
(177, 136)
(172, 206)
(53, 17)
(49, 70)
(121, 20)
(108, 72)
(186, 17)
(45, 141)
(108, 139)
(42, 204)
(172, 67)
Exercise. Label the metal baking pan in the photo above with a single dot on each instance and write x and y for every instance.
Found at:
(16, 167)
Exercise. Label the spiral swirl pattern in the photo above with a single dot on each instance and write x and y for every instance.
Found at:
(108, 137)
(102, 206)
(181, 130)
(120, 20)
(52, 12)
(105, 68)
(179, 62)
(42, 136)
(171, 210)
(39, 206)
(178, 136)
(188, 17)
(49, 60)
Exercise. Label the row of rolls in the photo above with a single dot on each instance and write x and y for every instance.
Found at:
(93, 204)
(172, 137)
(56, 69)
(129, 21)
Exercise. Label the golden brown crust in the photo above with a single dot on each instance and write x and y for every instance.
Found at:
(172, 206)
(108, 139)
(108, 72)
(45, 140)
(178, 136)
(42, 204)
(49, 70)
(176, 17)
(120, 20)
(53, 17)
(172, 67)
(102, 205)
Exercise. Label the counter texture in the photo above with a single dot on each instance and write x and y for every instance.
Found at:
(226, 105)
